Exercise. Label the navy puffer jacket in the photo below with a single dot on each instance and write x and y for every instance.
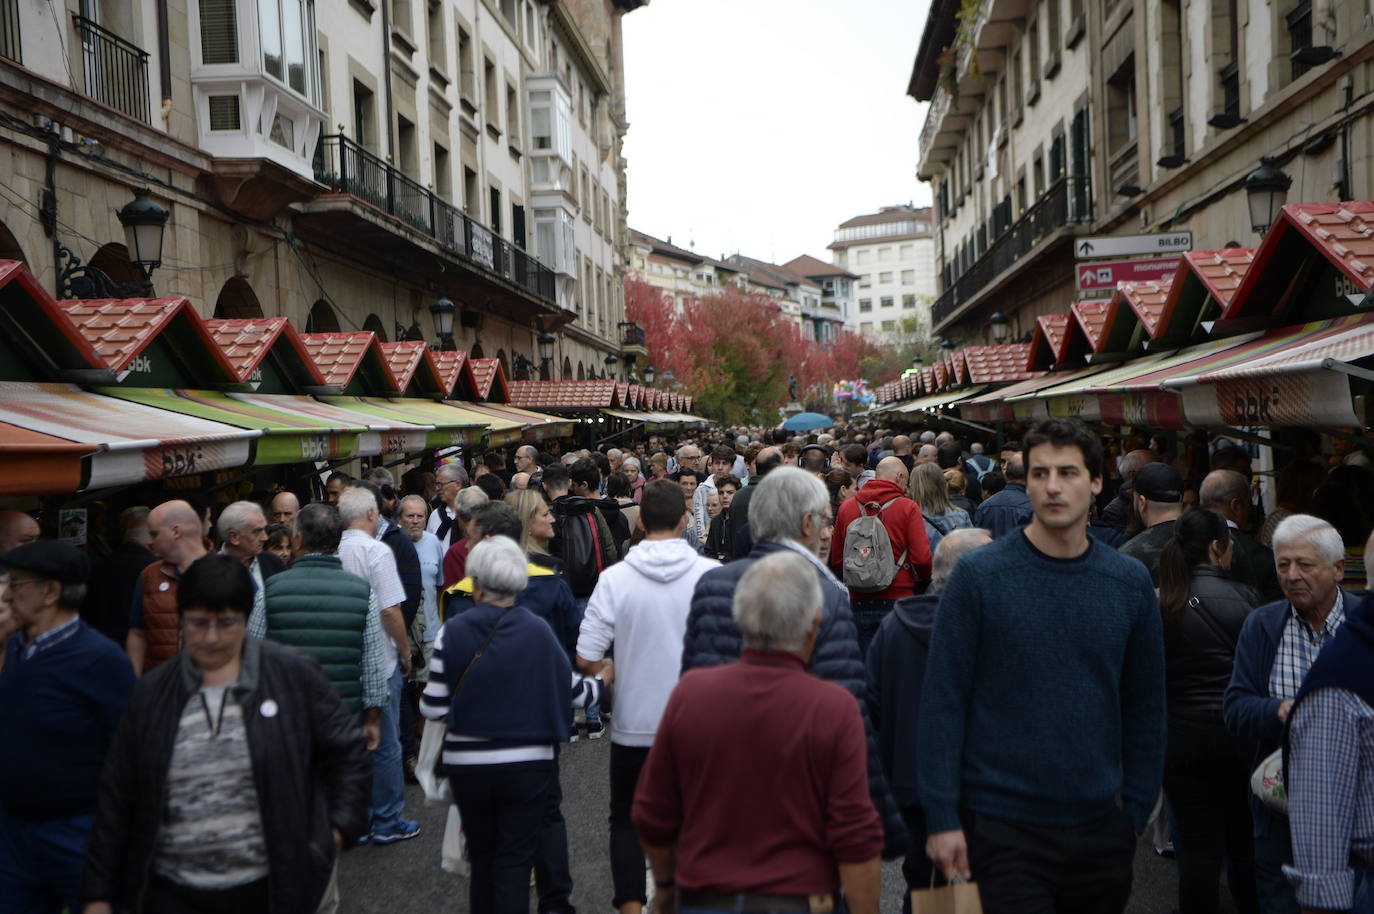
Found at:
(713, 639)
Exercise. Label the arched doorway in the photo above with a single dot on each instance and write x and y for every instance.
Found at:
(9, 246)
(505, 363)
(567, 368)
(374, 323)
(322, 318)
(237, 301)
(476, 352)
(581, 372)
(522, 369)
(113, 260)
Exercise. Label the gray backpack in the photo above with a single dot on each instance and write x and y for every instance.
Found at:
(868, 563)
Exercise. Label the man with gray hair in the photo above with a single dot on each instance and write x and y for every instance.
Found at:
(786, 821)
(361, 553)
(896, 672)
(467, 504)
(1227, 493)
(451, 479)
(243, 531)
(790, 512)
(1277, 646)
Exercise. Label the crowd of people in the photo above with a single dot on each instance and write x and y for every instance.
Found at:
(1005, 662)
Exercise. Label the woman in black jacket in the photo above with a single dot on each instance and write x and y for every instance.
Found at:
(1206, 769)
(235, 776)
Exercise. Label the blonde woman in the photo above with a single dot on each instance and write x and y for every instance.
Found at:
(929, 489)
(536, 526)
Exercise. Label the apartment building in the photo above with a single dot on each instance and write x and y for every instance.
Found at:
(1052, 119)
(344, 163)
(802, 298)
(891, 255)
(682, 274)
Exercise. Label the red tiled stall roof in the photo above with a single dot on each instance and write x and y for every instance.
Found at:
(339, 355)
(998, 364)
(120, 329)
(563, 394)
(1148, 299)
(940, 373)
(246, 342)
(411, 361)
(1220, 272)
(1047, 341)
(455, 367)
(25, 302)
(960, 363)
(491, 381)
(1341, 234)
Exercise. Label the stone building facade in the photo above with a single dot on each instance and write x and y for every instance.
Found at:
(343, 163)
(1054, 119)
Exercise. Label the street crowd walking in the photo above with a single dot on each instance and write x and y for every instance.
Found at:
(1003, 662)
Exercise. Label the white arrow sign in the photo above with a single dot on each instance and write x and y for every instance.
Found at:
(1131, 245)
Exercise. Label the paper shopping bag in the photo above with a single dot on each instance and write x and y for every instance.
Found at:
(453, 856)
(435, 786)
(960, 898)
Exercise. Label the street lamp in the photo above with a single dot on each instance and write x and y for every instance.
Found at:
(1266, 189)
(443, 310)
(1001, 326)
(546, 341)
(917, 361)
(611, 361)
(144, 223)
(947, 346)
(649, 375)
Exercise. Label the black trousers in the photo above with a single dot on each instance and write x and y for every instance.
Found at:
(167, 897)
(504, 808)
(1036, 869)
(917, 868)
(627, 856)
(1206, 777)
(552, 871)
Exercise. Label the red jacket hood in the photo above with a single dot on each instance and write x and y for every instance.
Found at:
(880, 491)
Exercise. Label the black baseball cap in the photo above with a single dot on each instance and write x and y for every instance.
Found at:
(1159, 482)
(51, 560)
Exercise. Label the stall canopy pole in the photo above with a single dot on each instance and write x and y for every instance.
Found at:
(624, 431)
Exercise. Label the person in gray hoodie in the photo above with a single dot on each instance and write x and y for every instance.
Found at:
(641, 605)
(896, 670)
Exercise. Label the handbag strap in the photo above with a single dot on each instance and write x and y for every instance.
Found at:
(1195, 602)
(481, 650)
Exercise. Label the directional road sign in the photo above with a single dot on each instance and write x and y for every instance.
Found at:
(1129, 245)
(1106, 274)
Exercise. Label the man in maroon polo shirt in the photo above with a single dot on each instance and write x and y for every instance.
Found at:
(755, 794)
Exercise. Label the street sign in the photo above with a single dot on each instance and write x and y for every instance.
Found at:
(1129, 245)
(1106, 274)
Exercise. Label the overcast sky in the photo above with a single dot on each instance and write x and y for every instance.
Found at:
(757, 126)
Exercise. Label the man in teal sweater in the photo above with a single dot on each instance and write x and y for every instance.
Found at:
(1042, 721)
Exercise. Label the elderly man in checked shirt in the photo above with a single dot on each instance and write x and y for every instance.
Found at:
(1278, 645)
(1330, 765)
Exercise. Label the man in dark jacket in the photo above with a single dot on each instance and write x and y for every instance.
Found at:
(768, 459)
(1227, 493)
(586, 483)
(581, 536)
(1118, 511)
(1010, 509)
(896, 670)
(791, 510)
(106, 608)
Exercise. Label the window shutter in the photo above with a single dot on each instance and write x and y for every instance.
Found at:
(219, 36)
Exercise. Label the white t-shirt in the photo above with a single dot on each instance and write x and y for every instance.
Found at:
(372, 559)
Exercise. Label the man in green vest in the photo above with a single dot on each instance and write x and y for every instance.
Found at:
(330, 614)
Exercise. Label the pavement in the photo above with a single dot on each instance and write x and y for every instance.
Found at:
(405, 878)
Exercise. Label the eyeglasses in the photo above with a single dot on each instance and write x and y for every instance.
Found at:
(20, 582)
(204, 626)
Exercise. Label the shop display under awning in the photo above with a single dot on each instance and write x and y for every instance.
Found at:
(131, 442)
(534, 426)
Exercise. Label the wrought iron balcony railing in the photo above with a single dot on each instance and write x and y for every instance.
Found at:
(347, 167)
(115, 70)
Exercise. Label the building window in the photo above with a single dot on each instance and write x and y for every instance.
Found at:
(364, 110)
(512, 115)
(434, 22)
(889, 326)
(219, 32)
(908, 251)
(865, 305)
(884, 254)
(467, 73)
(908, 301)
(886, 301)
(495, 193)
(287, 30)
(908, 277)
(1299, 35)
(866, 327)
(865, 281)
(862, 257)
(443, 180)
(492, 115)
(884, 278)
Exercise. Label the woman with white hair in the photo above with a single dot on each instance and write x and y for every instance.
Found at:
(631, 468)
(504, 685)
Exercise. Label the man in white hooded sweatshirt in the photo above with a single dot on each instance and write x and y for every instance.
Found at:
(641, 604)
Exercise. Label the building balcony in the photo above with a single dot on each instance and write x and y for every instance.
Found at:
(1053, 218)
(114, 71)
(379, 211)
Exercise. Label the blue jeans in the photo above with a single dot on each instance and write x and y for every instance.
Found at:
(593, 711)
(1273, 849)
(40, 863)
(388, 779)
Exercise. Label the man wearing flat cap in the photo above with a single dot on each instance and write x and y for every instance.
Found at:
(62, 691)
(1158, 499)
